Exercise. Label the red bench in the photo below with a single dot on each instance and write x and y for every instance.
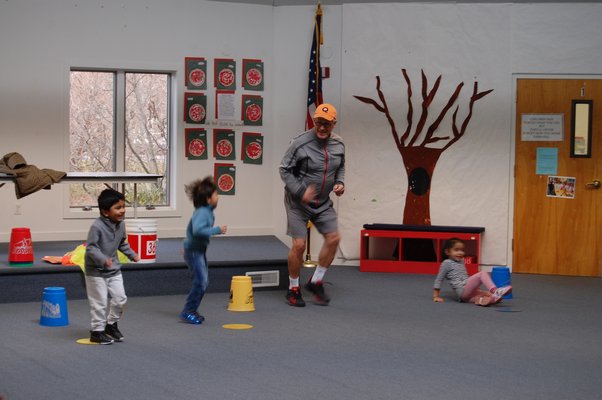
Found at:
(414, 249)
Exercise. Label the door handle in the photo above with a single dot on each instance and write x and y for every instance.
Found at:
(593, 185)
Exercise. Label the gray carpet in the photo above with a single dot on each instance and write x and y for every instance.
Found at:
(381, 338)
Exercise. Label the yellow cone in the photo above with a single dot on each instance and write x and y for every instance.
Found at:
(241, 294)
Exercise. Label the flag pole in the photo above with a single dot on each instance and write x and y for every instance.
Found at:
(308, 263)
(314, 99)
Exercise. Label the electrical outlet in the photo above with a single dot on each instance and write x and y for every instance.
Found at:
(17, 209)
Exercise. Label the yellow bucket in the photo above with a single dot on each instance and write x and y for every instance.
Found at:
(241, 294)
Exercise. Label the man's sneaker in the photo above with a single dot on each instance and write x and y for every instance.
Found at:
(112, 331)
(294, 298)
(500, 292)
(191, 318)
(100, 337)
(320, 297)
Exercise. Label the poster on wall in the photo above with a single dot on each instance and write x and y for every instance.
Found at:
(546, 162)
(252, 110)
(196, 73)
(224, 105)
(196, 144)
(225, 179)
(561, 186)
(542, 127)
(195, 108)
(224, 144)
(252, 72)
(252, 148)
(224, 72)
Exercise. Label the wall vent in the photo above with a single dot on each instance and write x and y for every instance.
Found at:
(264, 278)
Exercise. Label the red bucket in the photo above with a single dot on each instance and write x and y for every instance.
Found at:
(142, 237)
(21, 248)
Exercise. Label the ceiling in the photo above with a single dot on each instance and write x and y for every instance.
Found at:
(278, 3)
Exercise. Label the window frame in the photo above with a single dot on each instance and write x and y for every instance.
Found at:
(170, 210)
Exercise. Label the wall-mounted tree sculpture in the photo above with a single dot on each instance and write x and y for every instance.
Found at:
(420, 160)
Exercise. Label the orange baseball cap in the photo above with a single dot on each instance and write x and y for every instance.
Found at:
(326, 111)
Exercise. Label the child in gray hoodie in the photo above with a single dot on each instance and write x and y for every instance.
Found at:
(103, 269)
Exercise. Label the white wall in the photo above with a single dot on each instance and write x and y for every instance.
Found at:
(472, 184)
(488, 43)
(41, 40)
(462, 43)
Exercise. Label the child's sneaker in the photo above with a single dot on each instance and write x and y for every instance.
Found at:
(191, 318)
(100, 337)
(500, 292)
(294, 298)
(199, 316)
(112, 331)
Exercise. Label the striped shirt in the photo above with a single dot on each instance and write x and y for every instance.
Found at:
(455, 273)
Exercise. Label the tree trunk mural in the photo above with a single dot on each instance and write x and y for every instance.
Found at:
(420, 160)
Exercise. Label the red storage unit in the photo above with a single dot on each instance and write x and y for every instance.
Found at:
(415, 249)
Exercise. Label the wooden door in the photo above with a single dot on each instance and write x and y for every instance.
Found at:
(557, 235)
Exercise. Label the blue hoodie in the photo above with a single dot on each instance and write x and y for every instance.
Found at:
(200, 229)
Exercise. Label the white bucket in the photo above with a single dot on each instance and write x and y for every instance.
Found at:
(142, 237)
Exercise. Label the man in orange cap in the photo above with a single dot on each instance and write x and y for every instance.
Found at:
(312, 167)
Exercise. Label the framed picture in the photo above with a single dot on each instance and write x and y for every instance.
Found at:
(224, 74)
(195, 108)
(196, 73)
(561, 186)
(252, 74)
(225, 178)
(252, 148)
(196, 143)
(252, 110)
(224, 144)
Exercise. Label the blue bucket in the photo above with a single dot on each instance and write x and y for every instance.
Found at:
(54, 307)
(501, 277)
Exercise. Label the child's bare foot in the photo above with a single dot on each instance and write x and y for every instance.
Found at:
(482, 301)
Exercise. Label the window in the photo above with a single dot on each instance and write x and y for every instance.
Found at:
(119, 122)
(581, 128)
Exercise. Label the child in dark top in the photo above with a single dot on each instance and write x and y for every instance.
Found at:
(466, 288)
(103, 270)
(204, 197)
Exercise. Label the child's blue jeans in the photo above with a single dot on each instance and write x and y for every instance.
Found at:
(197, 264)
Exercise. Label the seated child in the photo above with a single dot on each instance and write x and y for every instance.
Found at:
(466, 288)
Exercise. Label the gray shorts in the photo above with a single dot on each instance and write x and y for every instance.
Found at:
(297, 216)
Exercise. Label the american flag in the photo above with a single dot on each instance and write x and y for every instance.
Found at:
(314, 85)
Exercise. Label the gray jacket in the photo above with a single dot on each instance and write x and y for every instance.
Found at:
(313, 161)
(104, 239)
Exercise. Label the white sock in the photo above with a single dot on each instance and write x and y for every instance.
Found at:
(318, 275)
(294, 282)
